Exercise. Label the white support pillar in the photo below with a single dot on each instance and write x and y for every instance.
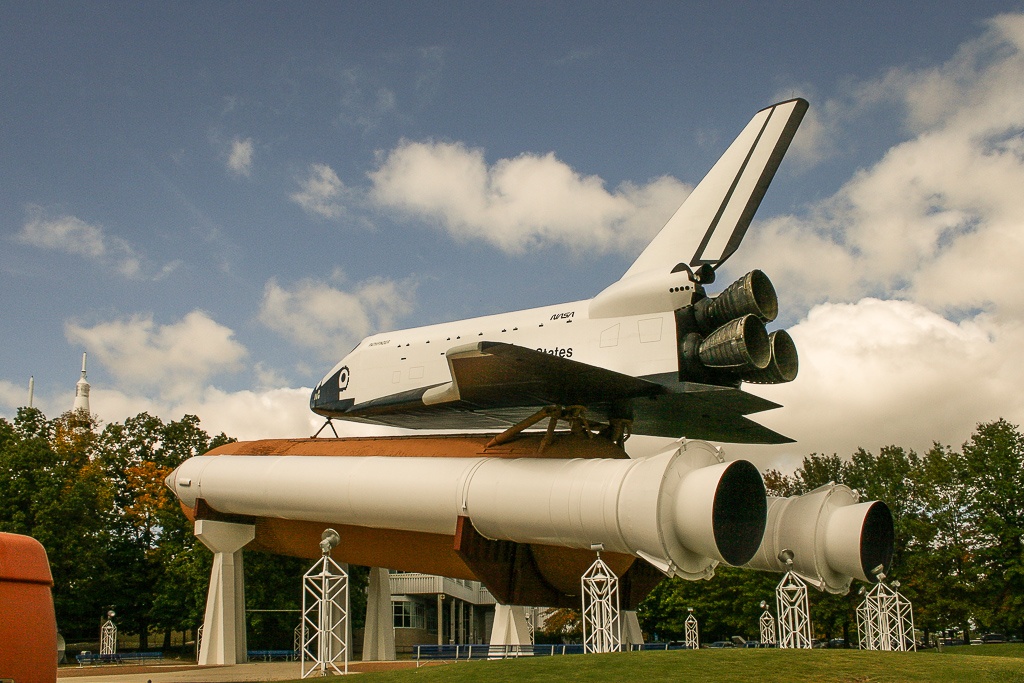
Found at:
(510, 627)
(223, 640)
(631, 633)
(379, 634)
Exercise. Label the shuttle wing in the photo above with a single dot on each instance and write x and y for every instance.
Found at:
(496, 385)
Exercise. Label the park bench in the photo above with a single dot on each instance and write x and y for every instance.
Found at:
(271, 655)
(119, 658)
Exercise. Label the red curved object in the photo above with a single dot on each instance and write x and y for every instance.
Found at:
(28, 627)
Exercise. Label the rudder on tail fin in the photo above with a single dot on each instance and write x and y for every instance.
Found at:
(709, 226)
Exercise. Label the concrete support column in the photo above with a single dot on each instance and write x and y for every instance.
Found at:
(510, 626)
(631, 633)
(379, 634)
(224, 624)
(452, 635)
(440, 619)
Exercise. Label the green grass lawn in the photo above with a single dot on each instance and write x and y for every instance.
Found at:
(977, 664)
(1000, 650)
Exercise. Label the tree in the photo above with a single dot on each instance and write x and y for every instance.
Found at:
(52, 490)
(563, 625)
(725, 606)
(993, 471)
(161, 571)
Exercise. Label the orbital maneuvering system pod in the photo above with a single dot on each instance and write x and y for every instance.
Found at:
(652, 354)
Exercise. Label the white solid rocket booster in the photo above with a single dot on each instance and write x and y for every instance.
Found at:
(683, 510)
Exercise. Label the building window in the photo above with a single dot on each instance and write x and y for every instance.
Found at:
(408, 614)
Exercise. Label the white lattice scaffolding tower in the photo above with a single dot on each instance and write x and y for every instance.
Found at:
(767, 624)
(325, 614)
(108, 638)
(794, 612)
(601, 625)
(885, 620)
(692, 634)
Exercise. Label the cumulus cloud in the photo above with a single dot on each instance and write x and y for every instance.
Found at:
(316, 315)
(938, 219)
(910, 273)
(12, 395)
(520, 204)
(877, 372)
(279, 413)
(240, 156)
(320, 193)
(272, 413)
(74, 236)
(174, 360)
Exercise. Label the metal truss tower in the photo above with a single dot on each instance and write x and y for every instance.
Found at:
(325, 614)
(692, 636)
(793, 608)
(601, 626)
(885, 620)
(767, 625)
(108, 637)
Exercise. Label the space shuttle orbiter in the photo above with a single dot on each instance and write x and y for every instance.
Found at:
(651, 354)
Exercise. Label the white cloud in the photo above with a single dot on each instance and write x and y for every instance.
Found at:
(878, 372)
(366, 102)
(520, 204)
(74, 236)
(272, 413)
(320, 193)
(925, 247)
(240, 157)
(12, 395)
(173, 360)
(938, 219)
(315, 315)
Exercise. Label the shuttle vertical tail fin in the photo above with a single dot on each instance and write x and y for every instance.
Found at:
(708, 227)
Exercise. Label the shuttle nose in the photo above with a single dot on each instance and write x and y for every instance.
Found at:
(328, 396)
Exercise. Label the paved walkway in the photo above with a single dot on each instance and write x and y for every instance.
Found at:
(171, 673)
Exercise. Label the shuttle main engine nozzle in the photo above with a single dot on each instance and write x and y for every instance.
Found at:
(833, 537)
(753, 294)
(723, 338)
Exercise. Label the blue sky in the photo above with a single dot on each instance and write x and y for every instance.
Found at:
(217, 200)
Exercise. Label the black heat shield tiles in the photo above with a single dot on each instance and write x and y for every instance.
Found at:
(501, 384)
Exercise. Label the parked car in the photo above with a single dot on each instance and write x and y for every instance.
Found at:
(752, 643)
(837, 643)
(719, 644)
(993, 638)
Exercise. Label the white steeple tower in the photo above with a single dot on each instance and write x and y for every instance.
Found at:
(82, 391)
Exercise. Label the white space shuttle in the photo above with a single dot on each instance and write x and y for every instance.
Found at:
(521, 510)
(652, 354)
